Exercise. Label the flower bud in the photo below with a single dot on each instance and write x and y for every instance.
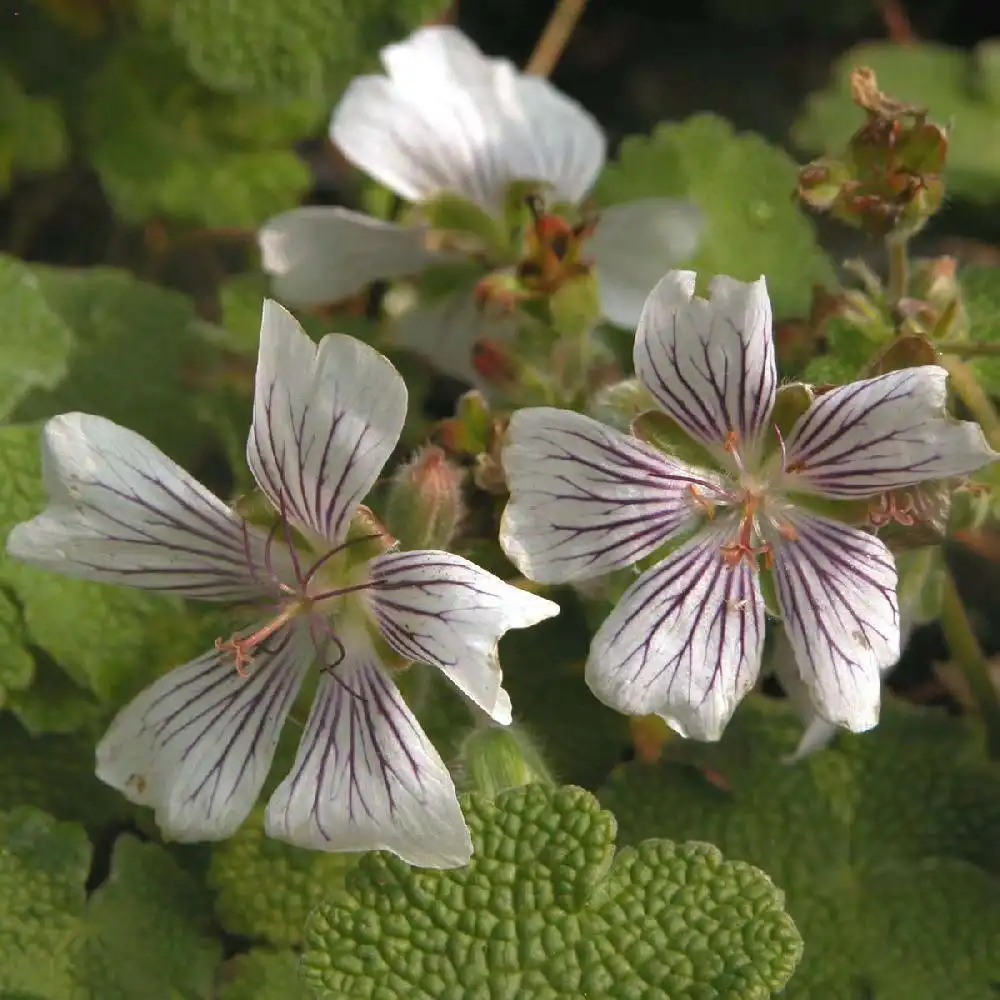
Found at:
(495, 758)
(425, 505)
(620, 403)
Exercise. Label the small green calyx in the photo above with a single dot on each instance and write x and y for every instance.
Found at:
(852, 512)
(459, 224)
(663, 432)
(790, 404)
(497, 758)
(619, 403)
(367, 538)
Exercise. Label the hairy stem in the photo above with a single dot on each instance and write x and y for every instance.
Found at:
(555, 36)
(969, 349)
(969, 656)
(899, 268)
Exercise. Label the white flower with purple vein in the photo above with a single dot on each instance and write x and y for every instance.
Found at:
(447, 120)
(197, 744)
(685, 640)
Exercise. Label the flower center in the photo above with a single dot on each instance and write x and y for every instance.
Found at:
(552, 249)
(314, 590)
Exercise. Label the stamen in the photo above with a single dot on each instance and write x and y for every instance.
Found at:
(788, 531)
(702, 501)
(743, 548)
(244, 650)
(781, 445)
(732, 445)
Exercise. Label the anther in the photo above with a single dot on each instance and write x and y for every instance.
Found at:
(702, 501)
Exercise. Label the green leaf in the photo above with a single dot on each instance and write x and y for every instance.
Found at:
(309, 50)
(745, 187)
(139, 350)
(265, 889)
(55, 774)
(981, 293)
(17, 665)
(848, 350)
(263, 975)
(947, 81)
(546, 910)
(32, 131)
(144, 933)
(163, 144)
(34, 341)
(861, 837)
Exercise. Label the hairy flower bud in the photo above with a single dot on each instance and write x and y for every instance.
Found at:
(425, 500)
(495, 758)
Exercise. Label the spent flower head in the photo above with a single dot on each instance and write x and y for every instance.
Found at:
(496, 164)
(330, 592)
(755, 514)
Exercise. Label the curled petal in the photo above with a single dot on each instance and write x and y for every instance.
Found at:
(685, 640)
(325, 420)
(709, 364)
(438, 608)
(448, 119)
(121, 512)
(197, 745)
(635, 244)
(366, 777)
(586, 499)
(880, 434)
(837, 591)
(320, 254)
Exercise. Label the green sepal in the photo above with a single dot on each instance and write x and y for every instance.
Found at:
(790, 404)
(769, 591)
(575, 306)
(909, 351)
(921, 583)
(450, 213)
(494, 759)
(663, 432)
(620, 403)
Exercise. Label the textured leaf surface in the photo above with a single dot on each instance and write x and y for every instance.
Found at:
(143, 933)
(34, 340)
(32, 131)
(548, 910)
(744, 186)
(862, 838)
(263, 975)
(271, 50)
(981, 289)
(265, 888)
(163, 144)
(958, 89)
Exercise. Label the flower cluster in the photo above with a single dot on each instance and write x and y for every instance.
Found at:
(735, 499)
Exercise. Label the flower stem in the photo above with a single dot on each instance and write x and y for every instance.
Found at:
(899, 268)
(969, 349)
(972, 394)
(968, 654)
(555, 36)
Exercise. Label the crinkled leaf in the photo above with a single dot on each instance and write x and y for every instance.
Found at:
(860, 837)
(145, 932)
(35, 342)
(163, 144)
(263, 975)
(17, 665)
(981, 290)
(947, 81)
(307, 50)
(55, 774)
(32, 131)
(547, 910)
(265, 888)
(744, 185)
(848, 350)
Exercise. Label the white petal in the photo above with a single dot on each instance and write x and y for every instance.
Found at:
(197, 745)
(635, 244)
(120, 511)
(325, 421)
(883, 433)
(445, 331)
(320, 254)
(366, 777)
(685, 640)
(709, 364)
(447, 119)
(586, 499)
(837, 592)
(438, 608)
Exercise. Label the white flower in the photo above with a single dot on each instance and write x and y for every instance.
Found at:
(447, 120)
(197, 745)
(685, 640)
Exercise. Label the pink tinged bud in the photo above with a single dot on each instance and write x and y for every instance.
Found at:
(425, 506)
